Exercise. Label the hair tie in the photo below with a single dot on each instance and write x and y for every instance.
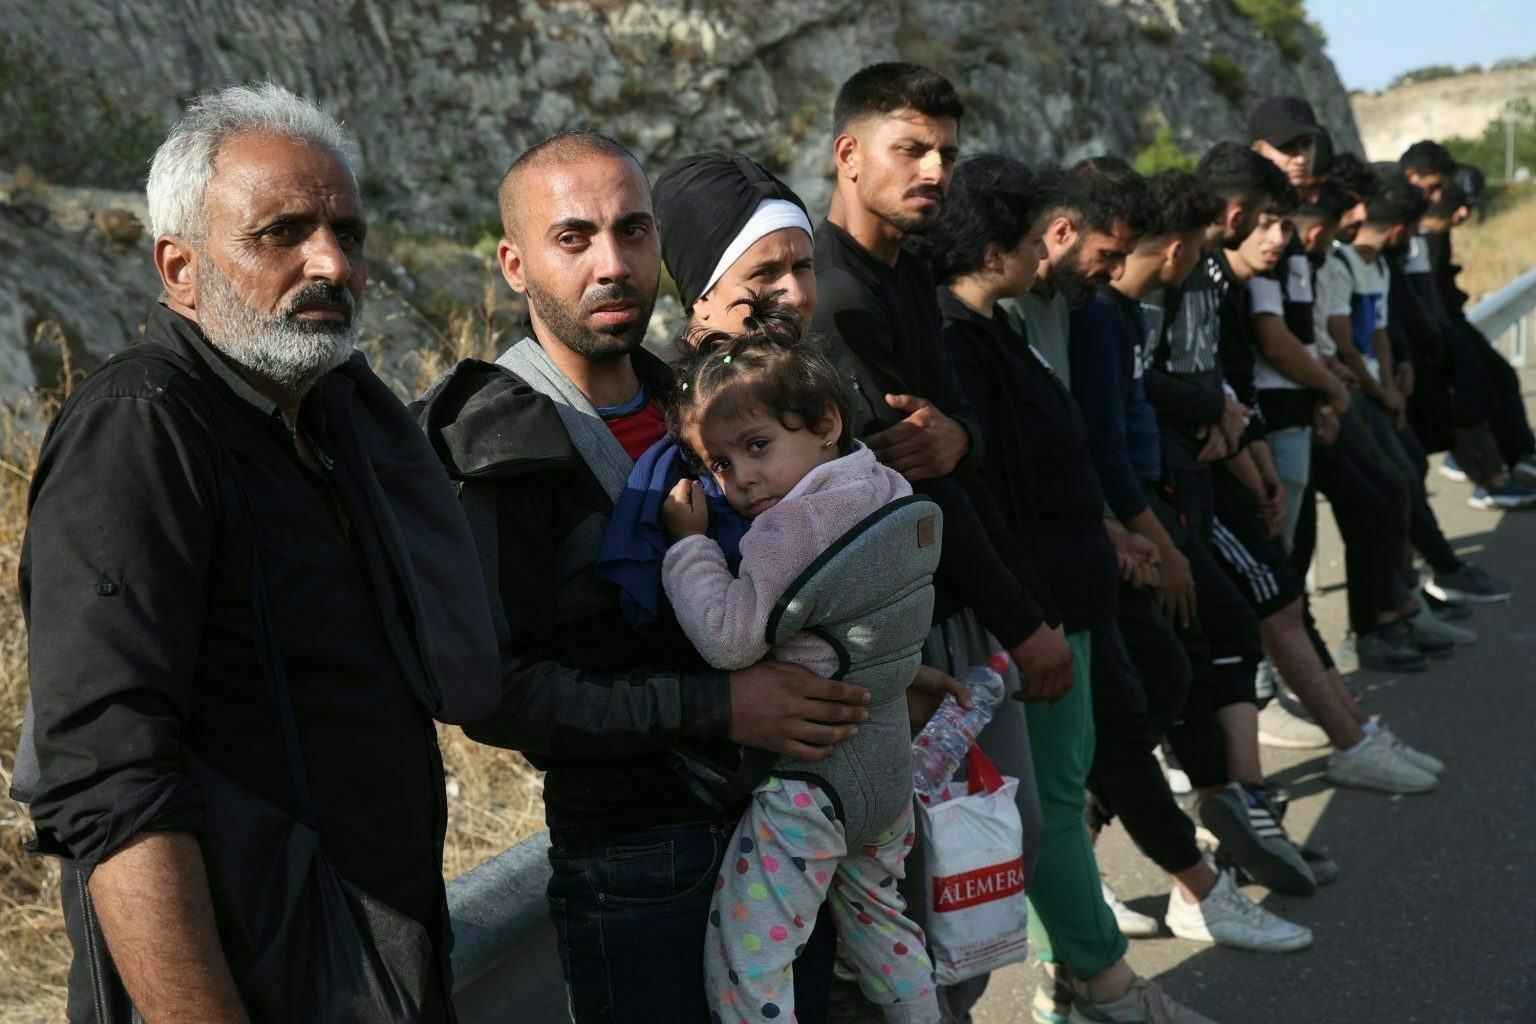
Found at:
(685, 385)
(727, 359)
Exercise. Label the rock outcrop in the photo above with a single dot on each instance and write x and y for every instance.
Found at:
(443, 95)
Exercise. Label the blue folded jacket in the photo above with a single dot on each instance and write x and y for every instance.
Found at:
(637, 539)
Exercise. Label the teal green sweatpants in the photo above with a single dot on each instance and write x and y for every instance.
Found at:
(1069, 923)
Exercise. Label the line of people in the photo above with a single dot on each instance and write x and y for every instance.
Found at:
(1075, 415)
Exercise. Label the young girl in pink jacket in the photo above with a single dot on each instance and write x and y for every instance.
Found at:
(765, 414)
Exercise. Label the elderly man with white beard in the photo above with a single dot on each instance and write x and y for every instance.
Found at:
(249, 591)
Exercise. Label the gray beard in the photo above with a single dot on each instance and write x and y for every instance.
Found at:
(289, 354)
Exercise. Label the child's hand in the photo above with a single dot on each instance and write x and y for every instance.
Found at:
(684, 510)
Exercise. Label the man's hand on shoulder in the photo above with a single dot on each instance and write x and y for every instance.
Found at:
(788, 710)
(924, 446)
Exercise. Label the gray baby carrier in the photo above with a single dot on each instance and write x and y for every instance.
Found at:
(869, 595)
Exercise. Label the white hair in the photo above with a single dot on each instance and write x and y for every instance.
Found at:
(183, 165)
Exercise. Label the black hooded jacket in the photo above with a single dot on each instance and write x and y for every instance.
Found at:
(592, 701)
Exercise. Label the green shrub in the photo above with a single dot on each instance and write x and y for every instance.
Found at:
(1227, 77)
(1425, 74)
(1164, 154)
(1486, 151)
(61, 120)
(1283, 21)
(1156, 32)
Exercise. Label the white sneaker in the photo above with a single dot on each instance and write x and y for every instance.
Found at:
(1133, 925)
(1228, 917)
(1145, 1003)
(1377, 765)
(1178, 782)
(1417, 758)
(1279, 728)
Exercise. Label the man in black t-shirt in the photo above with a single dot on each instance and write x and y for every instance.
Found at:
(895, 148)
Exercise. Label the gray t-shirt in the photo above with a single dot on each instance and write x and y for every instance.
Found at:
(1046, 322)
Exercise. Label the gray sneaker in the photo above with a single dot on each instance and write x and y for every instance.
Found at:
(1469, 584)
(1281, 727)
(1525, 471)
(1145, 1003)
(1417, 758)
(1379, 766)
(1426, 623)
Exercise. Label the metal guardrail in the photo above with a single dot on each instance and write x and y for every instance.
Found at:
(505, 962)
(1507, 317)
(506, 965)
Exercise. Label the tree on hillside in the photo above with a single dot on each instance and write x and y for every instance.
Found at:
(1425, 74)
(1486, 151)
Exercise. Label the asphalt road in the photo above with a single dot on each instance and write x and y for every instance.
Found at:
(1433, 917)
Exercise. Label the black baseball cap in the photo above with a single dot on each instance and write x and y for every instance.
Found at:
(1282, 119)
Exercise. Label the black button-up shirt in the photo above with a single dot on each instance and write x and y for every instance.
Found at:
(136, 582)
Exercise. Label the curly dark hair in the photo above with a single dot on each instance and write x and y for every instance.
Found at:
(1330, 204)
(771, 365)
(993, 198)
(1356, 176)
(1108, 191)
(1184, 203)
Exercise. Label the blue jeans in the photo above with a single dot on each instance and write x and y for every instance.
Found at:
(1291, 449)
(631, 913)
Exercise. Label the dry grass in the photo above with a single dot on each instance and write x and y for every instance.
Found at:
(1494, 251)
(494, 796)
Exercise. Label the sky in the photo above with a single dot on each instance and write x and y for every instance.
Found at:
(1372, 41)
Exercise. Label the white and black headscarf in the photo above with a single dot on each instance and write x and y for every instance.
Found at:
(713, 207)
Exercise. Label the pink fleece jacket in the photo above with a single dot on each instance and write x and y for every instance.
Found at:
(726, 616)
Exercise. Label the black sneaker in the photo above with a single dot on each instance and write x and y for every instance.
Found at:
(1324, 870)
(1389, 649)
(1253, 839)
(1448, 611)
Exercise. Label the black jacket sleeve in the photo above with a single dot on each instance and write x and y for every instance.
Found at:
(1183, 398)
(548, 706)
(974, 378)
(113, 568)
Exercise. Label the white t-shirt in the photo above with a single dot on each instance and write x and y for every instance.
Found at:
(1332, 290)
(1269, 295)
(1367, 305)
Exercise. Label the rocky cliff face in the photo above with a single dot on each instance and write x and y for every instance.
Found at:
(1463, 105)
(443, 95)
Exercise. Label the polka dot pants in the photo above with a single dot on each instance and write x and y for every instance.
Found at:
(789, 855)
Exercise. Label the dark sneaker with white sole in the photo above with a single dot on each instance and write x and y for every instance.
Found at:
(1470, 585)
(1252, 838)
(1447, 611)
(1505, 496)
(1389, 649)
(1432, 640)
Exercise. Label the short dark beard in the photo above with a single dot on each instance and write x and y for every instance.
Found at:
(1068, 278)
(920, 224)
(570, 328)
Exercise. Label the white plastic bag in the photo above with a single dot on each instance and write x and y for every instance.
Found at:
(977, 918)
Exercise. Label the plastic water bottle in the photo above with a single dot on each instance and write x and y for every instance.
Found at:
(944, 742)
